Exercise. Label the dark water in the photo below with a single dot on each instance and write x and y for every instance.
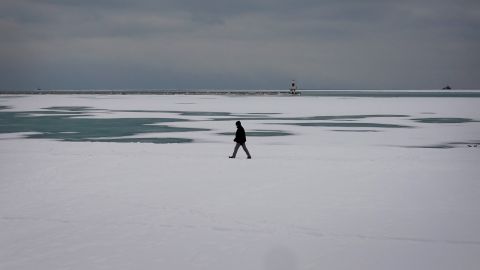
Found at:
(444, 120)
(61, 123)
(349, 125)
(78, 124)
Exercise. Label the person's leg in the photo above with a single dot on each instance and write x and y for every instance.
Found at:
(235, 150)
(246, 150)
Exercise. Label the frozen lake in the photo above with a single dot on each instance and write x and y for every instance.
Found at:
(144, 182)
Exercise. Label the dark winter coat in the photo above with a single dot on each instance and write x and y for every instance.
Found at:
(240, 136)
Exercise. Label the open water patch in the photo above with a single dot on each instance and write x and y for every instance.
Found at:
(214, 116)
(315, 118)
(60, 111)
(443, 120)
(263, 113)
(347, 125)
(434, 146)
(71, 108)
(52, 113)
(143, 140)
(228, 116)
(200, 113)
(351, 117)
(11, 96)
(182, 113)
(234, 116)
(68, 128)
(470, 144)
(355, 130)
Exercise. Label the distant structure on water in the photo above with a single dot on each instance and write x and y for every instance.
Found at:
(447, 87)
(293, 88)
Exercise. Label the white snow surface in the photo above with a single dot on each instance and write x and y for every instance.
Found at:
(318, 199)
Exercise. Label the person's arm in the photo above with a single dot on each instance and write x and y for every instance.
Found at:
(236, 135)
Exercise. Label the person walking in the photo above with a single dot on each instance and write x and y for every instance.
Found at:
(240, 139)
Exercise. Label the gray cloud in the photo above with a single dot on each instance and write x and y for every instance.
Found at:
(239, 44)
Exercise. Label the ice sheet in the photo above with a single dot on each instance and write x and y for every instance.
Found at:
(316, 199)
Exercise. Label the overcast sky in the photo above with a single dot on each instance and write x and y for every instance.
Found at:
(246, 44)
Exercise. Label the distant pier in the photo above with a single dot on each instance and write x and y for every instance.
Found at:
(286, 93)
(144, 92)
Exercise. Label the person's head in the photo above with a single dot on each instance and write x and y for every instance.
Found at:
(238, 124)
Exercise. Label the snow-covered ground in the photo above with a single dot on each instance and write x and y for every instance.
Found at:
(347, 183)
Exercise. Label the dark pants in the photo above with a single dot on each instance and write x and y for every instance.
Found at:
(238, 146)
